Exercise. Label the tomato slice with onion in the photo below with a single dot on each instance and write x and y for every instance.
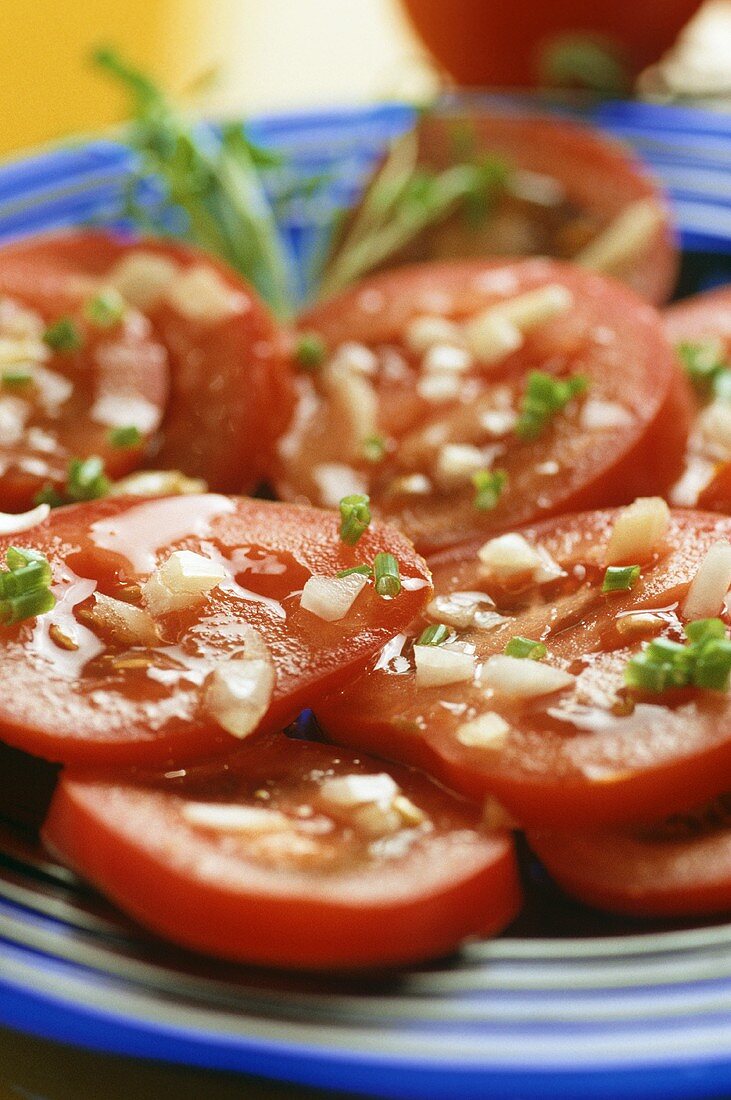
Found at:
(81, 375)
(412, 425)
(678, 868)
(229, 390)
(141, 661)
(296, 855)
(560, 742)
(700, 328)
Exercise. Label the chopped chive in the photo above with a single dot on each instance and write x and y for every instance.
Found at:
(124, 437)
(544, 397)
(703, 662)
(311, 351)
(489, 485)
(386, 572)
(86, 479)
(374, 448)
(18, 556)
(355, 516)
(49, 495)
(434, 634)
(362, 570)
(16, 378)
(620, 578)
(704, 362)
(105, 309)
(525, 647)
(26, 606)
(24, 586)
(63, 335)
(705, 630)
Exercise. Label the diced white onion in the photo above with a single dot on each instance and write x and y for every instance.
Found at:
(353, 405)
(510, 556)
(487, 731)
(446, 359)
(335, 480)
(238, 693)
(142, 277)
(625, 237)
(157, 483)
(438, 387)
(711, 583)
(128, 625)
(347, 791)
(499, 422)
(422, 333)
(223, 817)
(331, 598)
(498, 330)
(602, 415)
(202, 295)
(464, 610)
(519, 678)
(22, 350)
(491, 336)
(437, 665)
(23, 521)
(456, 462)
(638, 529)
(715, 426)
(355, 357)
(410, 485)
(181, 581)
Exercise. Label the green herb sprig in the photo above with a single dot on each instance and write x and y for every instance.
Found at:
(704, 661)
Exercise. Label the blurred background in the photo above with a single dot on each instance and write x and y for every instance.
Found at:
(253, 56)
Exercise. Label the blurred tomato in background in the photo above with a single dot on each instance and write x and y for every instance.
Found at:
(594, 43)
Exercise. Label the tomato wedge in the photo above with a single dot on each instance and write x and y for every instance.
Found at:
(411, 427)
(570, 746)
(296, 855)
(680, 868)
(119, 671)
(91, 387)
(702, 325)
(568, 192)
(229, 391)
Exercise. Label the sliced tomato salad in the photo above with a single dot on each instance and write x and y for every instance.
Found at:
(519, 690)
(182, 623)
(81, 375)
(471, 397)
(297, 855)
(700, 330)
(679, 868)
(229, 391)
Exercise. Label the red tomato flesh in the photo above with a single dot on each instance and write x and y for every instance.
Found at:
(628, 442)
(681, 868)
(311, 882)
(229, 392)
(75, 689)
(589, 755)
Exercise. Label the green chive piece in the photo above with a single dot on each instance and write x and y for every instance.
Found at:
(620, 578)
(544, 397)
(525, 647)
(63, 335)
(106, 309)
(311, 351)
(703, 662)
(18, 556)
(705, 630)
(355, 516)
(489, 485)
(24, 586)
(48, 495)
(86, 479)
(434, 634)
(374, 448)
(704, 362)
(362, 570)
(386, 572)
(124, 437)
(16, 378)
(37, 601)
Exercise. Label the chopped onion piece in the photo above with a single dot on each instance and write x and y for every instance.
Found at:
(602, 415)
(410, 485)
(521, 679)
(715, 426)
(11, 524)
(157, 483)
(354, 405)
(335, 480)
(224, 817)
(446, 359)
(22, 350)
(238, 693)
(463, 610)
(355, 357)
(422, 333)
(510, 556)
(201, 295)
(487, 731)
(128, 625)
(491, 336)
(331, 598)
(625, 237)
(438, 387)
(638, 529)
(181, 581)
(357, 790)
(437, 666)
(711, 583)
(142, 277)
(456, 462)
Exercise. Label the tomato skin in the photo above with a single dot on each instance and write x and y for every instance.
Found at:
(458, 881)
(607, 468)
(644, 875)
(230, 393)
(567, 760)
(65, 706)
(701, 316)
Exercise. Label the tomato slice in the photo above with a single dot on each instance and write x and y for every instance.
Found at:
(679, 868)
(705, 319)
(566, 186)
(63, 402)
(92, 682)
(625, 437)
(588, 753)
(296, 855)
(229, 391)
